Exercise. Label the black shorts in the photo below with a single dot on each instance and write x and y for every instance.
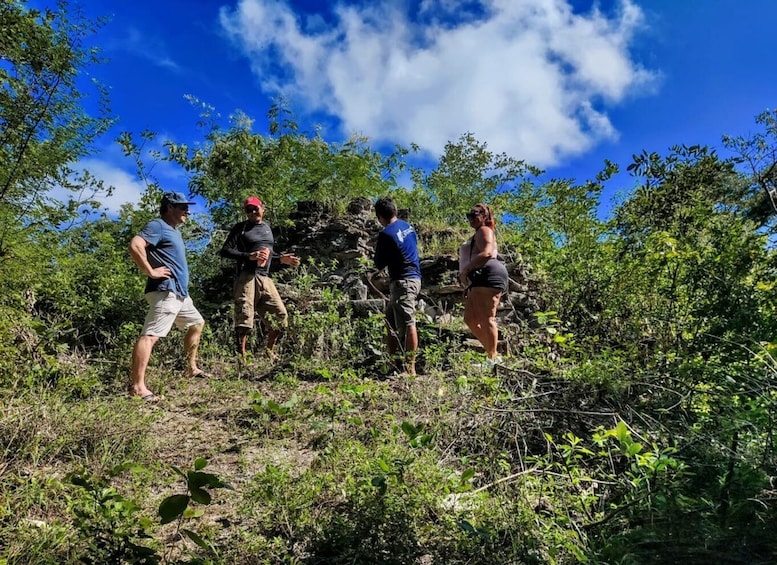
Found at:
(491, 275)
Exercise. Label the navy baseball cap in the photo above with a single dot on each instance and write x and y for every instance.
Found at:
(175, 198)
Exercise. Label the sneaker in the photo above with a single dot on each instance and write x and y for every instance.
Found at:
(489, 364)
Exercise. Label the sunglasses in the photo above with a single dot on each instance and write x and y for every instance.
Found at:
(184, 207)
(251, 210)
(473, 215)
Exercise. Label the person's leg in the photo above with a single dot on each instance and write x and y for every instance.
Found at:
(480, 317)
(405, 294)
(492, 330)
(272, 338)
(471, 318)
(141, 355)
(191, 321)
(392, 323)
(244, 294)
(392, 341)
(191, 343)
(241, 337)
(409, 301)
(411, 346)
(162, 312)
(269, 301)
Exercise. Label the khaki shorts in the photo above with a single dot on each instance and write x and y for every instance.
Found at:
(257, 294)
(166, 309)
(400, 311)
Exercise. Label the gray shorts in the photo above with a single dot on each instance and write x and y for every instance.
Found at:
(166, 309)
(400, 311)
(491, 275)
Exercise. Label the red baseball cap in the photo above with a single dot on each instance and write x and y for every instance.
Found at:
(253, 201)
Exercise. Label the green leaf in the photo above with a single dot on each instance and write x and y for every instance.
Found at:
(177, 470)
(421, 441)
(410, 430)
(634, 448)
(200, 495)
(172, 507)
(198, 479)
(622, 432)
(80, 481)
(467, 527)
(380, 483)
(467, 475)
(196, 538)
(118, 469)
(200, 463)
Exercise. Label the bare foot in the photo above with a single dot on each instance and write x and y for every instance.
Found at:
(199, 373)
(142, 392)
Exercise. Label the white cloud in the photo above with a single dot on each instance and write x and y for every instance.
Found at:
(124, 187)
(531, 78)
(117, 172)
(127, 189)
(152, 49)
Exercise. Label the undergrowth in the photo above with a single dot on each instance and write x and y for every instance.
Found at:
(322, 458)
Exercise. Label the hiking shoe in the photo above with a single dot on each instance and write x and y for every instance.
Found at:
(489, 364)
(496, 361)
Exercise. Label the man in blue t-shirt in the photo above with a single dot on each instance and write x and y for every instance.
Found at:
(397, 249)
(159, 252)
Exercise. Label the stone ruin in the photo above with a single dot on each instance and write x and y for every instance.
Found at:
(344, 243)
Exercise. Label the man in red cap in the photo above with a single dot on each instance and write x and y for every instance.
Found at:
(250, 243)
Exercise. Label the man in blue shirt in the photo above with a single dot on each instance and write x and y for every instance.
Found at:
(159, 252)
(397, 249)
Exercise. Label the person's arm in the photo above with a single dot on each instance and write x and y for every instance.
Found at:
(137, 249)
(486, 242)
(381, 253)
(285, 258)
(289, 259)
(231, 248)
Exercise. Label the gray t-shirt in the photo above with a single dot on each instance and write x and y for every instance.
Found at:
(166, 249)
(244, 238)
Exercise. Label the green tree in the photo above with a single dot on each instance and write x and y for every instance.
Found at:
(43, 125)
(44, 129)
(758, 153)
(467, 174)
(688, 228)
(283, 167)
(556, 226)
(701, 275)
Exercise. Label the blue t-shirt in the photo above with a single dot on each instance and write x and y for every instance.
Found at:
(166, 249)
(397, 249)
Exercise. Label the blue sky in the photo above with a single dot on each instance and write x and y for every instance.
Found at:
(562, 84)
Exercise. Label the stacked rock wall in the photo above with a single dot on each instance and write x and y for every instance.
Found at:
(344, 245)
